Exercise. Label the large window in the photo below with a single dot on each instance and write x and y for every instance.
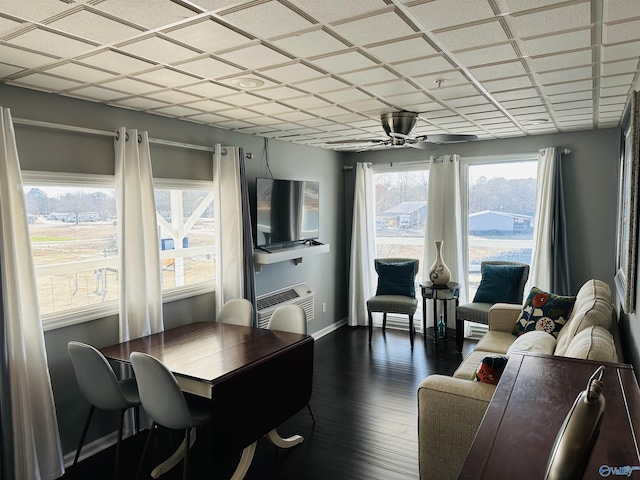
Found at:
(501, 210)
(74, 240)
(401, 209)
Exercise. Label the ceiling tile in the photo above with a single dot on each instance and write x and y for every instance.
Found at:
(343, 62)
(310, 44)
(241, 79)
(395, 87)
(453, 92)
(130, 86)
(618, 9)
(96, 93)
(624, 66)
(140, 103)
(508, 69)
(157, 49)
(239, 113)
(208, 89)
(567, 87)
(208, 118)
(296, 72)
(404, 49)
(374, 29)
(556, 43)
(617, 80)
(116, 62)
(554, 20)
(508, 84)
(208, 67)
(268, 19)
(369, 76)
(22, 58)
(279, 93)
(8, 70)
(208, 35)
(149, 14)
(619, 90)
(468, 37)
(166, 77)
(92, 26)
(306, 102)
(272, 108)
(176, 111)
(172, 96)
(51, 43)
(516, 94)
(623, 51)
(423, 66)
(208, 105)
(320, 85)
(45, 82)
(331, 10)
(80, 73)
(441, 80)
(329, 112)
(621, 32)
(563, 60)
(8, 26)
(294, 116)
(486, 55)
(370, 106)
(36, 10)
(447, 13)
(346, 95)
(565, 75)
(255, 57)
(242, 99)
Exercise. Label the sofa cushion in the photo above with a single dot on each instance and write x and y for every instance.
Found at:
(593, 343)
(495, 342)
(544, 311)
(592, 307)
(491, 368)
(535, 341)
(396, 279)
(499, 284)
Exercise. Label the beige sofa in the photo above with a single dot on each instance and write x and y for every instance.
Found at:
(450, 409)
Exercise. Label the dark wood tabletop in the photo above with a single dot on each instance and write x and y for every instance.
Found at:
(532, 399)
(208, 351)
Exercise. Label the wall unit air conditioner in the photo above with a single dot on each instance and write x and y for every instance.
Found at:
(296, 294)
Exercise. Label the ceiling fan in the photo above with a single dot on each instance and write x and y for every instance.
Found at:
(398, 127)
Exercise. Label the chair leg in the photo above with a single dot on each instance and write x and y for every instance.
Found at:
(384, 321)
(411, 332)
(370, 326)
(146, 447)
(136, 418)
(187, 439)
(313, 418)
(119, 443)
(84, 433)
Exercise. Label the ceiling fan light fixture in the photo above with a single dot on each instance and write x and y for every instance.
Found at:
(247, 82)
(537, 121)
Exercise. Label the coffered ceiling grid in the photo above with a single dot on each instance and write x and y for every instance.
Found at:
(494, 68)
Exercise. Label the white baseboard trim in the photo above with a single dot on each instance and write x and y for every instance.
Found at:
(90, 449)
(327, 330)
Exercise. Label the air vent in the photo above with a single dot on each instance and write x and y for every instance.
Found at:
(297, 294)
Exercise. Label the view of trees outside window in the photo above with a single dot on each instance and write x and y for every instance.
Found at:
(401, 210)
(74, 240)
(501, 211)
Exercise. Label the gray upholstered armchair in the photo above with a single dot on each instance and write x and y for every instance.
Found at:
(501, 282)
(396, 292)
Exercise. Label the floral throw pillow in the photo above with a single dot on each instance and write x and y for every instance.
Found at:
(545, 312)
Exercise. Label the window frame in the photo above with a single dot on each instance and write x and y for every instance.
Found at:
(465, 163)
(53, 321)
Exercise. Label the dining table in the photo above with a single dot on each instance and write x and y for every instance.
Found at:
(254, 378)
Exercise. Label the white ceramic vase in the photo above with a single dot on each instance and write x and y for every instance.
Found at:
(439, 273)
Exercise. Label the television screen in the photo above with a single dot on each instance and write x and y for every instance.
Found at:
(286, 211)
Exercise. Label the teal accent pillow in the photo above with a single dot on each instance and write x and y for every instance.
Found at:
(544, 311)
(396, 279)
(499, 284)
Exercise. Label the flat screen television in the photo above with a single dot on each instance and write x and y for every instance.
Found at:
(287, 211)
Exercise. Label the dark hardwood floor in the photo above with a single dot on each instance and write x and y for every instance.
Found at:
(365, 404)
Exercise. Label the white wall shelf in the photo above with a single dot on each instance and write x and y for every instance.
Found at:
(295, 253)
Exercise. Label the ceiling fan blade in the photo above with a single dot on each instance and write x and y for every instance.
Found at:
(399, 135)
(448, 138)
(355, 140)
(423, 145)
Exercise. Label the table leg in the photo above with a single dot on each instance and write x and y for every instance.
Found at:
(245, 462)
(288, 442)
(445, 306)
(435, 319)
(424, 317)
(459, 329)
(173, 460)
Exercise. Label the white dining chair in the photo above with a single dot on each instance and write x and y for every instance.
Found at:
(101, 388)
(237, 311)
(165, 403)
(293, 319)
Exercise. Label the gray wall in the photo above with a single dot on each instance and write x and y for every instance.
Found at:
(590, 175)
(58, 151)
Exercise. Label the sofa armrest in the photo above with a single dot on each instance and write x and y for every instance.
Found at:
(449, 413)
(503, 316)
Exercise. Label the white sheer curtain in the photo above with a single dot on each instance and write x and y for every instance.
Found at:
(549, 258)
(444, 219)
(140, 272)
(362, 282)
(30, 439)
(234, 270)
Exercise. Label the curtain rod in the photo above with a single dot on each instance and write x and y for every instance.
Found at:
(106, 133)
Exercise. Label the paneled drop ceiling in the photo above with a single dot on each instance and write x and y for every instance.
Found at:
(327, 69)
